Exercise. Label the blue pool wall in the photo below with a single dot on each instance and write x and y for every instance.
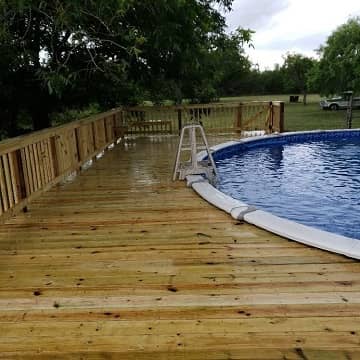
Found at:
(286, 228)
(283, 139)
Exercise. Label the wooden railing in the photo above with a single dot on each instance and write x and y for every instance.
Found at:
(245, 118)
(32, 163)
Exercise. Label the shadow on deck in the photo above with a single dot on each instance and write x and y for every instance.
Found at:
(124, 263)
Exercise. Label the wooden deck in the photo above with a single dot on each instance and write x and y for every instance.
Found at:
(122, 263)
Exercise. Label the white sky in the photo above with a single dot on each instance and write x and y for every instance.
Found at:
(289, 25)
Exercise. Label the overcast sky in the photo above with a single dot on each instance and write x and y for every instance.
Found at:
(289, 25)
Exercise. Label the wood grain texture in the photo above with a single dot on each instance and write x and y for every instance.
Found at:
(123, 263)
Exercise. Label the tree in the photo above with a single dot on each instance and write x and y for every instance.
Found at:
(296, 69)
(230, 63)
(183, 42)
(49, 46)
(273, 81)
(55, 54)
(339, 66)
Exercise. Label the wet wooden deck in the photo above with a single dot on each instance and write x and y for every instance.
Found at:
(122, 263)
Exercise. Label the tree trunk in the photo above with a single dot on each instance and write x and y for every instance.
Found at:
(304, 98)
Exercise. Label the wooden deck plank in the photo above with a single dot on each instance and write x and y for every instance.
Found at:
(122, 263)
(173, 343)
(284, 311)
(244, 354)
(228, 327)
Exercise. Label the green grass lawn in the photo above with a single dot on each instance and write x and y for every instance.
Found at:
(304, 117)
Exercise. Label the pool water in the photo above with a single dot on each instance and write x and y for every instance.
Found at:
(316, 183)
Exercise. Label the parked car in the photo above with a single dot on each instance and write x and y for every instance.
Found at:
(340, 102)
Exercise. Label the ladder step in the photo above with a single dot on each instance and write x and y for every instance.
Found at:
(197, 148)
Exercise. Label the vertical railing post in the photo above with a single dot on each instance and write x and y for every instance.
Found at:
(271, 118)
(179, 116)
(281, 117)
(120, 125)
(19, 177)
(78, 144)
(106, 135)
(349, 111)
(113, 127)
(93, 132)
(239, 116)
(103, 124)
(114, 124)
(54, 157)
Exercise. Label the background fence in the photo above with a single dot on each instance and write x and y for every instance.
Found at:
(245, 118)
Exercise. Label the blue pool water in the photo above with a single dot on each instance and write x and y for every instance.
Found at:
(314, 182)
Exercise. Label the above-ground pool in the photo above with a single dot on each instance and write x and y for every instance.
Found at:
(312, 178)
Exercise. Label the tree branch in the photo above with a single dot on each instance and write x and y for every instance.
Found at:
(97, 18)
(93, 60)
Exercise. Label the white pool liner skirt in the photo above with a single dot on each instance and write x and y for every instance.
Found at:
(305, 234)
(213, 195)
(275, 224)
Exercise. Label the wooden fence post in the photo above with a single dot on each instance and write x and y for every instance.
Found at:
(93, 132)
(78, 141)
(113, 128)
(271, 117)
(179, 120)
(281, 118)
(54, 157)
(19, 176)
(239, 115)
(349, 112)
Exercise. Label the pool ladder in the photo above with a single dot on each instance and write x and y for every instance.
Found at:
(194, 166)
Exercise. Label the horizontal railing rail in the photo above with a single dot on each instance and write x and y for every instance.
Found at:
(32, 163)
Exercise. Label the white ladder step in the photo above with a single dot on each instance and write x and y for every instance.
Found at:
(188, 148)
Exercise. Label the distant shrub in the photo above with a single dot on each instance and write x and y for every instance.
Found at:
(69, 115)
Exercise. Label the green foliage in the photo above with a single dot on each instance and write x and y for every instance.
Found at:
(68, 115)
(231, 65)
(292, 77)
(253, 81)
(296, 70)
(53, 50)
(184, 47)
(71, 54)
(56, 55)
(339, 66)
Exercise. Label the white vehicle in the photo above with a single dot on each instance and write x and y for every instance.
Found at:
(340, 102)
